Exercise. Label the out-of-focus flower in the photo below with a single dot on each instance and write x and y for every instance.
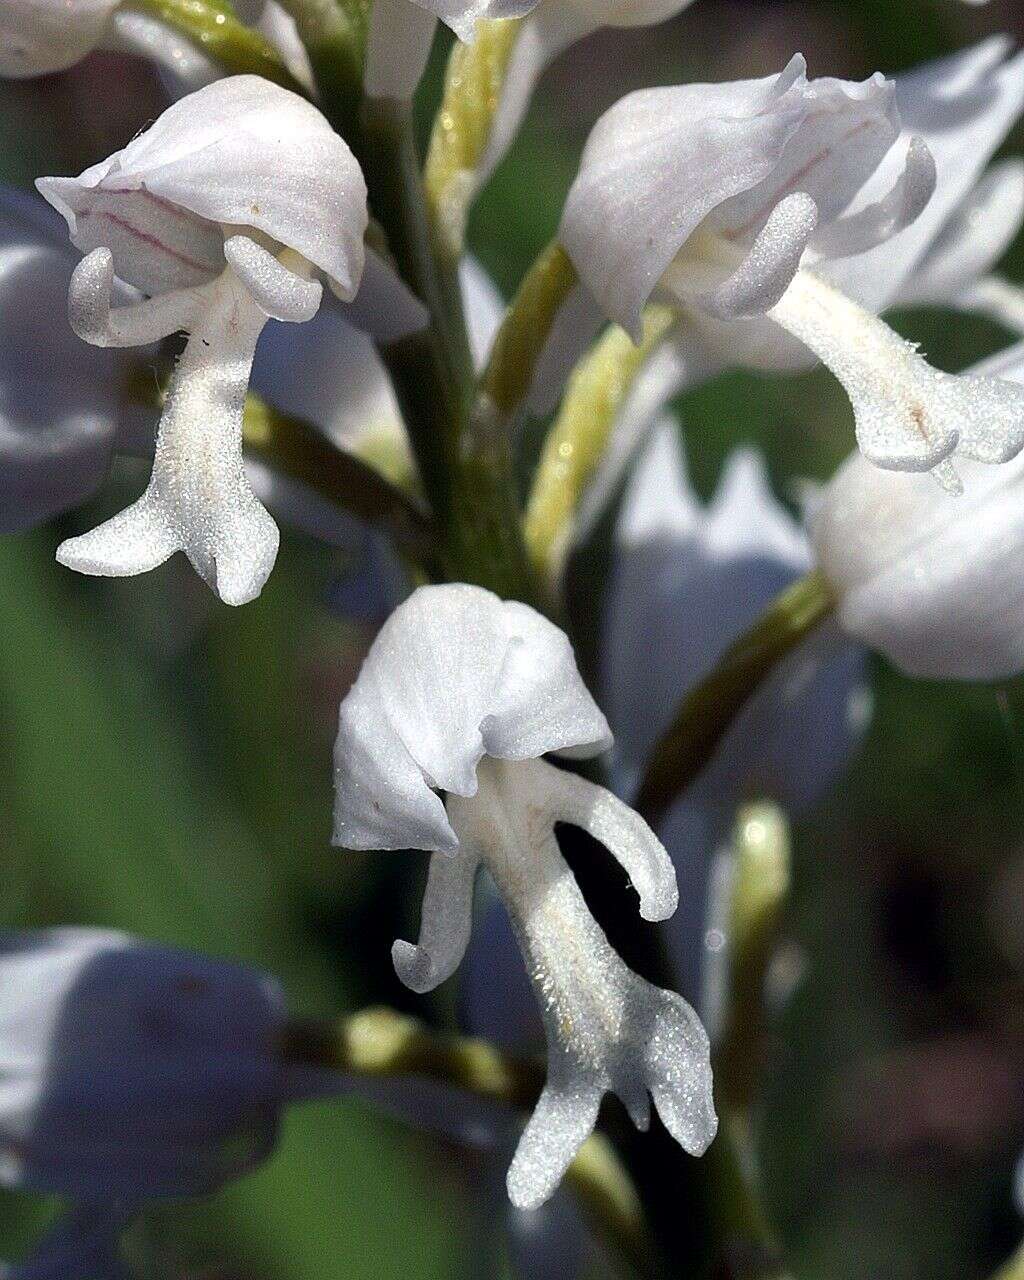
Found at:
(686, 580)
(222, 211)
(132, 1071)
(62, 404)
(82, 1246)
(38, 37)
(464, 693)
(934, 583)
(744, 189)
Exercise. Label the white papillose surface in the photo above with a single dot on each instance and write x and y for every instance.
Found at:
(222, 211)
(732, 200)
(465, 692)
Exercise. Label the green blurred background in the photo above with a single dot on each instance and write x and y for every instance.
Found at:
(165, 768)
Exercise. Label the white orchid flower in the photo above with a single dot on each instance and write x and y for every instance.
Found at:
(222, 211)
(464, 693)
(933, 583)
(730, 201)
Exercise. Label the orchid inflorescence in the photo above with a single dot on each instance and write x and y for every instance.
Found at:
(346, 361)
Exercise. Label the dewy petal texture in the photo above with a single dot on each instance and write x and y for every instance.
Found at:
(464, 692)
(40, 36)
(934, 583)
(222, 211)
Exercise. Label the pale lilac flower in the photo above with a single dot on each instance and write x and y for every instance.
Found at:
(686, 580)
(130, 1071)
(732, 202)
(222, 211)
(63, 406)
(464, 693)
(934, 583)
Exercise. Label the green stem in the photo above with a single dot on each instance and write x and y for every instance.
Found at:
(237, 48)
(758, 894)
(334, 35)
(463, 454)
(710, 709)
(518, 343)
(381, 1043)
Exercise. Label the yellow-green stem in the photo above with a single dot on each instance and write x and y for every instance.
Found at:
(524, 330)
(462, 127)
(580, 434)
(381, 1043)
(237, 48)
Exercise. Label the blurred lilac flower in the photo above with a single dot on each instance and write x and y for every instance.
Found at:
(465, 693)
(155, 214)
(62, 404)
(685, 582)
(38, 37)
(131, 1071)
(759, 188)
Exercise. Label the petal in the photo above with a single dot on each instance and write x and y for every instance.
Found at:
(243, 152)
(909, 416)
(932, 581)
(198, 499)
(541, 703)
(973, 240)
(397, 48)
(41, 36)
(446, 923)
(962, 107)
(657, 164)
(453, 673)
(844, 131)
(562, 1121)
(622, 832)
(768, 269)
(878, 222)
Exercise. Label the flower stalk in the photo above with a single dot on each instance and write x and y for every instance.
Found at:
(712, 706)
(580, 433)
(381, 1043)
(218, 33)
(464, 458)
(462, 127)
